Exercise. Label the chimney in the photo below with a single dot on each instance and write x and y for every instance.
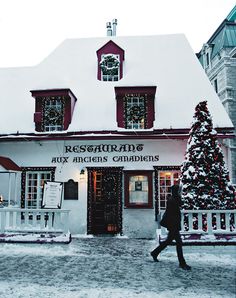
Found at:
(114, 24)
(109, 30)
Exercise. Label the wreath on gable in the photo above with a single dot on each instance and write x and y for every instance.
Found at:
(136, 113)
(109, 64)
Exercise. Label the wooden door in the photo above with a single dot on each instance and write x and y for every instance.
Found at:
(104, 200)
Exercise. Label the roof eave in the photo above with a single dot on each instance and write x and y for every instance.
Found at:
(180, 133)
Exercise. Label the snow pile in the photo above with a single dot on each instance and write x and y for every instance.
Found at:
(35, 237)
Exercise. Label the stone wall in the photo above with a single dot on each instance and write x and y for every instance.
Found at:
(222, 68)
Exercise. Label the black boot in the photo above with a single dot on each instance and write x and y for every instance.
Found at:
(154, 256)
(185, 266)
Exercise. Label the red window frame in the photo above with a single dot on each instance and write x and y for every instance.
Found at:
(68, 108)
(110, 48)
(127, 175)
(148, 91)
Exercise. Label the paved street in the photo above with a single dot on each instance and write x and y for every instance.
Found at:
(113, 267)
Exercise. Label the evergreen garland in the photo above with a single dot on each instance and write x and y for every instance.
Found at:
(204, 176)
(135, 113)
(52, 115)
(109, 64)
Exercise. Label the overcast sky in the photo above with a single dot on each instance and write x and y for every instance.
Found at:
(31, 29)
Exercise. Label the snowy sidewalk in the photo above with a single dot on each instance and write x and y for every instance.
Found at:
(113, 267)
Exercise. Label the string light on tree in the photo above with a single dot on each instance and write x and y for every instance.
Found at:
(204, 175)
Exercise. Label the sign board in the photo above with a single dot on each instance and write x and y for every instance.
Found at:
(52, 195)
(71, 190)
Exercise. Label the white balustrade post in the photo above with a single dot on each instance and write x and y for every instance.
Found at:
(209, 222)
(227, 221)
(66, 222)
(50, 219)
(14, 219)
(10, 223)
(190, 221)
(9, 190)
(18, 219)
(57, 220)
(218, 222)
(26, 219)
(199, 218)
(34, 220)
(42, 220)
(7, 219)
(3, 222)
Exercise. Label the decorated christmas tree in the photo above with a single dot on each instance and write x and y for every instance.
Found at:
(204, 175)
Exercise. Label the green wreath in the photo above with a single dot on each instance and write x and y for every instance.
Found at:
(53, 115)
(136, 113)
(108, 60)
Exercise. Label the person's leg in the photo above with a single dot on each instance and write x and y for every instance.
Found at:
(162, 246)
(179, 249)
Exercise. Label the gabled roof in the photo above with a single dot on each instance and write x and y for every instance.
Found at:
(8, 164)
(113, 44)
(150, 61)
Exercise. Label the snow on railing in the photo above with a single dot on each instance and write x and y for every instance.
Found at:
(207, 221)
(34, 220)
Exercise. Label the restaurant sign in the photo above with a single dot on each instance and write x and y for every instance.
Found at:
(103, 153)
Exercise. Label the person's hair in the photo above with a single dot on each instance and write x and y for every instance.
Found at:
(175, 190)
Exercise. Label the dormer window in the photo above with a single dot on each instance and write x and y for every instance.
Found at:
(136, 111)
(110, 67)
(135, 107)
(110, 62)
(53, 113)
(53, 109)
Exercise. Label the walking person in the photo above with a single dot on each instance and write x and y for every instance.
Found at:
(172, 221)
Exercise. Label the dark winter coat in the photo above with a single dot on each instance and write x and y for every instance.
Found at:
(173, 214)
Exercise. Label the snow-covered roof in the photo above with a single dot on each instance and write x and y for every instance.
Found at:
(166, 61)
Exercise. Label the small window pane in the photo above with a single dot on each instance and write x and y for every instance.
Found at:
(166, 180)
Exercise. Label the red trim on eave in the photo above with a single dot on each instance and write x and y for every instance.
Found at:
(102, 137)
(122, 90)
(8, 164)
(109, 44)
(53, 92)
(113, 135)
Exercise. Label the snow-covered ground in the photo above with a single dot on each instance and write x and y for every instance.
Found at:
(114, 267)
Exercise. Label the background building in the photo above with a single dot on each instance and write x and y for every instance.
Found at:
(218, 58)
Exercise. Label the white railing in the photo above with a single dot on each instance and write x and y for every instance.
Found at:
(207, 221)
(34, 220)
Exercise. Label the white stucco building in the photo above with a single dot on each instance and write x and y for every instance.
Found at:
(109, 118)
